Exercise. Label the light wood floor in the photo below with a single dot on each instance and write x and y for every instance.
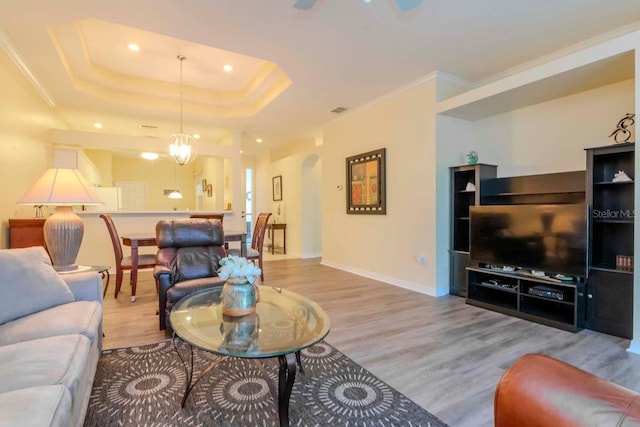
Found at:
(443, 354)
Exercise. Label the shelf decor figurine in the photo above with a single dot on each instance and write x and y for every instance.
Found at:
(621, 134)
(472, 157)
(621, 176)
(239, 292)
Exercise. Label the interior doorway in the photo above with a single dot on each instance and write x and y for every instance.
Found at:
(311, 207)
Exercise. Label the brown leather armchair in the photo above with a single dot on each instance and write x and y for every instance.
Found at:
(189, 252)
(539, 391)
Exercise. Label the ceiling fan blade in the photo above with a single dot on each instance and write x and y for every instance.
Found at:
(405, 5)
(304, 4)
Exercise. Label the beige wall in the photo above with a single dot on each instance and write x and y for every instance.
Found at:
(213, 170)
(25, 152)
(552, 136)
(103, 160)
(262, 185)
(159, 175)
(385, 246)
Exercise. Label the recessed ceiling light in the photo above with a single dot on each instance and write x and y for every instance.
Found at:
(133, 47)
(97, 125)
(228, 68)
(149, 156)
(259, 140)
(241, 152)
(196, 135)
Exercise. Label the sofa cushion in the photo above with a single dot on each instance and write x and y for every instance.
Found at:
(55, 360)
(80, 317)
(36, 407)
(28, 283)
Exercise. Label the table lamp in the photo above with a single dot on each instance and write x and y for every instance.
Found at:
(63, 230)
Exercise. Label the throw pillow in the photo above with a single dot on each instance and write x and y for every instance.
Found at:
(28, 283)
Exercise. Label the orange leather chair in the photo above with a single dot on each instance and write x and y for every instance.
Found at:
(540, 391)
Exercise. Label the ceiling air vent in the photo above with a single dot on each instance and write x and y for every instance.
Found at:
(338, 110)
(148, 127)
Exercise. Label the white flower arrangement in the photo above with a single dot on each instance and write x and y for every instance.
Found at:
(236, 267)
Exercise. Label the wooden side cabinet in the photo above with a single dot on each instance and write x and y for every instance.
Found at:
(24, 233)
(610, 303)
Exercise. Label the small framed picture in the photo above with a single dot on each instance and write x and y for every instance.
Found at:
(277, 188)
(209, 190)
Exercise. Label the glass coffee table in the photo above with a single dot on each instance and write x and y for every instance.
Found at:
(283, 324)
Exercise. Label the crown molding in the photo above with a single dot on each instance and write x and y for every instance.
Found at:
(601, 38)
(13, 54)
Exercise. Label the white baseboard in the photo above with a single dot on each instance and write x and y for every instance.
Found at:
(634, 347)
(311, 255)
(382, 278)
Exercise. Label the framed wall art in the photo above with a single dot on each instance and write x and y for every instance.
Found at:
(277, 188)
(366, 192)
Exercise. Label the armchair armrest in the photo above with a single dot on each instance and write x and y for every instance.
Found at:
(85, 286)
(160, 270)
(538, 391)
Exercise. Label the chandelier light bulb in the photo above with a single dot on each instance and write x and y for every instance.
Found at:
(182, 149)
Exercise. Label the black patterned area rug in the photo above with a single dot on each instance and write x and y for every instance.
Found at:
(143, 386)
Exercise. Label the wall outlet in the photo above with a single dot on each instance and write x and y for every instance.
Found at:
(421, 259)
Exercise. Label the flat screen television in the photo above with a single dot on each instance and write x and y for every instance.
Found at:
(549, 238)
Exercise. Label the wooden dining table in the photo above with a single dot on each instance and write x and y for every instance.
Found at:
(136, 240)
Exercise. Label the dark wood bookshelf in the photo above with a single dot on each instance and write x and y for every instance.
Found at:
(609, 306)
(461, 201)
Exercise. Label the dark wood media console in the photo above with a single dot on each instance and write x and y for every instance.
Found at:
(514, 293)
(603, 300)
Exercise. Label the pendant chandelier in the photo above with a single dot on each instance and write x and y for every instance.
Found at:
(183, 147)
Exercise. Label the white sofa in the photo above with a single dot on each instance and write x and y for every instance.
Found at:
(50, 340)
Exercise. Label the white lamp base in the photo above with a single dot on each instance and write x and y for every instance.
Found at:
(63, 233)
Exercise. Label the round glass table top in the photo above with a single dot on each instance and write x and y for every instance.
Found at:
(284, 322)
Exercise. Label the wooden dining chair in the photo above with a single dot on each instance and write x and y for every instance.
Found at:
(257, 242)
(208, 216)
(123, 263)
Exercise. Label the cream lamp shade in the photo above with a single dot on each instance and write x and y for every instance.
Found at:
(63, 230)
